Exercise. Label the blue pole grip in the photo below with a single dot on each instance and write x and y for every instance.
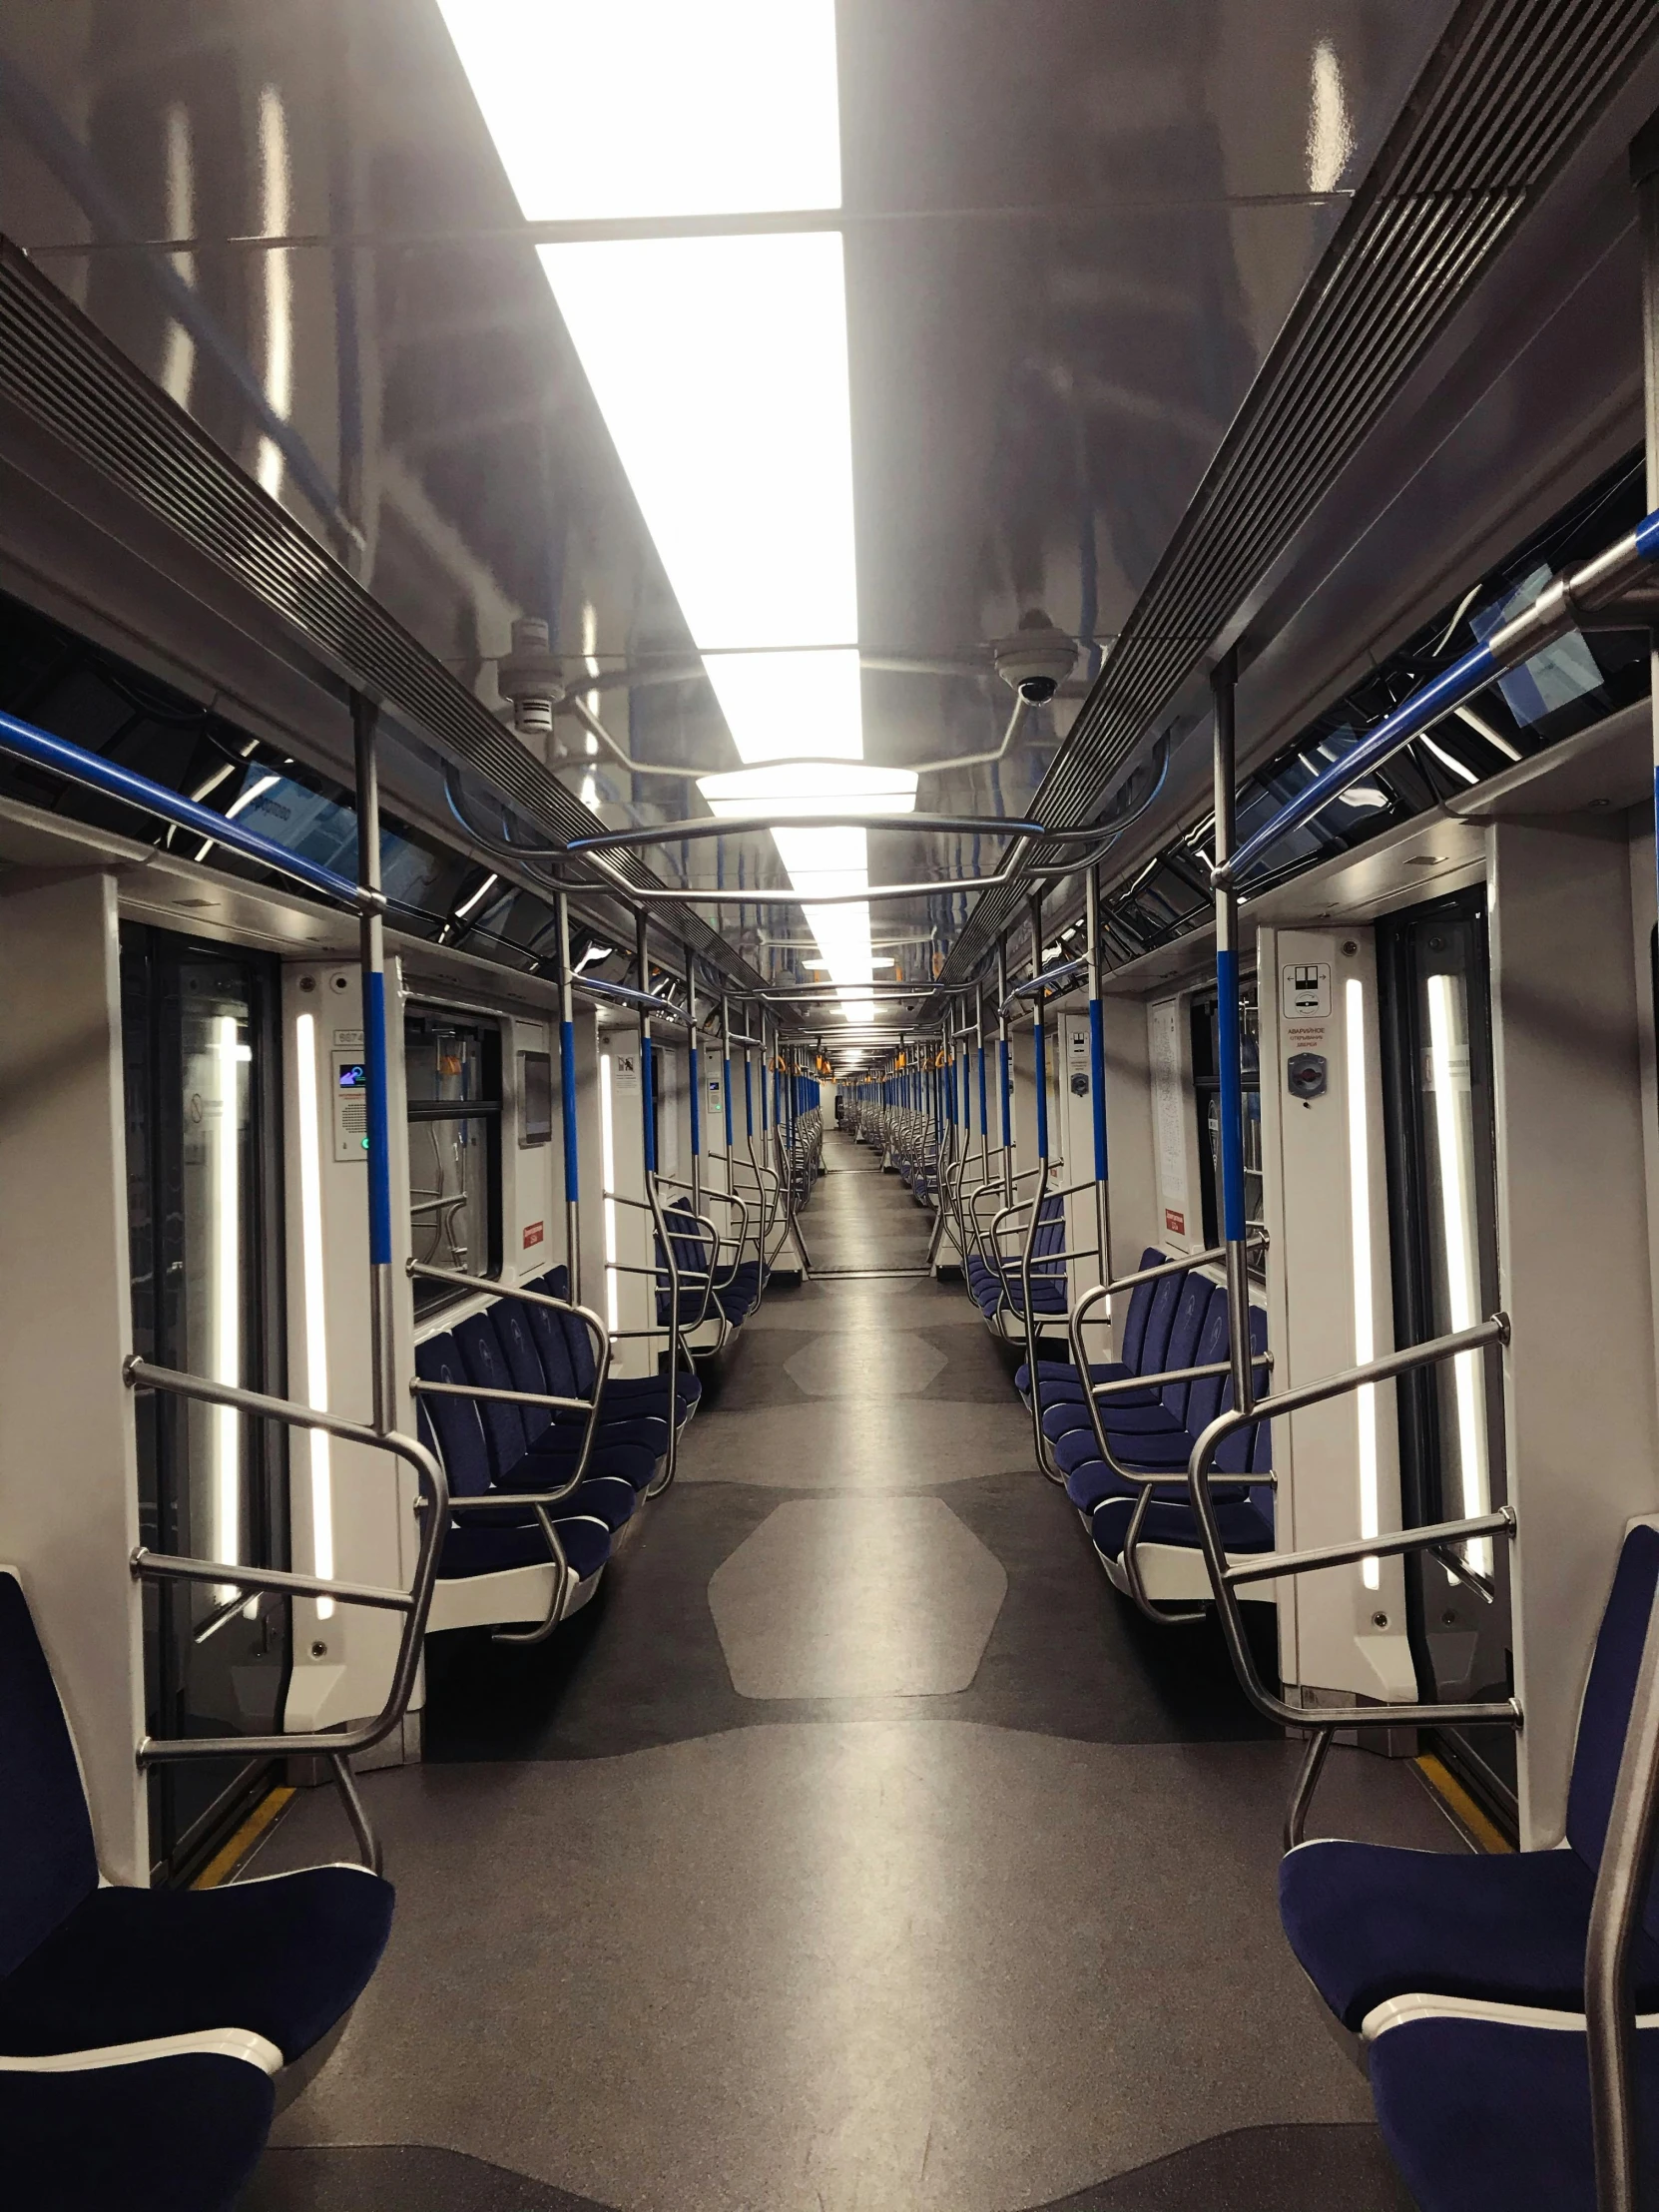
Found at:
(567, 1075)
(984, 1118)
(380, 1123)
(695, 1106)
(726, 1099)
(748, 1098)
(1097, 1079)
(648, 1105)
(1039, 1070)
(1232, 1097)
(1007, 1092)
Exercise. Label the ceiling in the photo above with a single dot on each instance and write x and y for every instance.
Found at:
(1072, 229)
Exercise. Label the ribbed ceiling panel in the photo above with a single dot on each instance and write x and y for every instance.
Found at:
(59, 369)
(1507, 92)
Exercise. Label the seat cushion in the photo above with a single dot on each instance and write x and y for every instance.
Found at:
(284, 1958)
(1369, 1922)
(471, 1549)
(544, 1469)
(1492, 2116)
(605, 1497)
(1244, 1527)
(177, 2135)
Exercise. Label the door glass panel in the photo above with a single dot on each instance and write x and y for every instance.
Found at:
(453, 1080)
(198, 1067)
(1444, 1214)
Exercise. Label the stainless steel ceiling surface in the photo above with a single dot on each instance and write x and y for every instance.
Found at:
(1074, 230)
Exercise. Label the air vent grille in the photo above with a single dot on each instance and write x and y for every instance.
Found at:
(1507, 94)
(60, 371)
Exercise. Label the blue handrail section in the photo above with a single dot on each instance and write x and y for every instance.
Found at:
(1556, 610)
(1098, 1082)
(1447, 691)
(112, 780)
(696, 1102)
(567, 1073)
(726, 1100)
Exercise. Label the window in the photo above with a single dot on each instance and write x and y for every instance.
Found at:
(535, 1098)
(1206, 1087)
(453, 1076)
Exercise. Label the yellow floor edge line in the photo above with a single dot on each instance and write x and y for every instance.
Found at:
(224, 1862)
(1446, 1784)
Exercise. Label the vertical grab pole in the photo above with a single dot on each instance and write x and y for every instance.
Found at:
(371, 938)
(1097, 1075)
(567, 1086)
(1004, 1089)
(1222, 683)
(1039, 1056)
(648, 1092)
(984, 1118)
(1627, 1852)
(694, 1065)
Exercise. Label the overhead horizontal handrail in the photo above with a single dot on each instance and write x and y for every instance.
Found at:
(626, 995)
(1560, 606)
(785, 817)
(112, 780)
(1036, 985)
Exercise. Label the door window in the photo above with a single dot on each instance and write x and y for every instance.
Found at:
(200, 1052)
(453, 1079)
(1442, 1206)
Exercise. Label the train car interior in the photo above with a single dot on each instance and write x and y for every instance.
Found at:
(830, 1251)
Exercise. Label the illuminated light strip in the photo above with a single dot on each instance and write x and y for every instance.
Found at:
(226, 1363)
(607, 1156)
(1459, 1260)
(737, 443)
(317, 1314)
(1365, 1324)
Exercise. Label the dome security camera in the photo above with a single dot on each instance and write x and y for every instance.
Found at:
(1036, 660)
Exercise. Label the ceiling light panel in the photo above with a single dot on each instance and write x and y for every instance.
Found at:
(720, 364)
(731, 105)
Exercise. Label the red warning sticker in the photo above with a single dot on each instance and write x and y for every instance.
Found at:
(533, 1233)
(1175, 1223)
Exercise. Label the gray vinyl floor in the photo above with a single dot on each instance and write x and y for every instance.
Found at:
(856, 1850)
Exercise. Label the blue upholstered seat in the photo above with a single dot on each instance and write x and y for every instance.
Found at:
(567, 1357)
(486, 1544)
(1368, 1923)
(1485, 2115)
(82, 1968)
(284, 1958)
(180, 2134)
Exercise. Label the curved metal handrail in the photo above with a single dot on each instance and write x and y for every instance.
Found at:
(416, 1603)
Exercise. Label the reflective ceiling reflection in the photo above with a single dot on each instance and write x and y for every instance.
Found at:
(1070, 231)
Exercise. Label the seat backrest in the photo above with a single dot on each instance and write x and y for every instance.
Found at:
(453, 1424)
(1139, 1310)
(48, 1863)
(486, 1365)
(1050, 1237)
(1198, 1294)
(1605, 1715)
(551, 1333)
(525, 1363)
(1204, 1397)
(1160, 1320)
(691, 1245)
